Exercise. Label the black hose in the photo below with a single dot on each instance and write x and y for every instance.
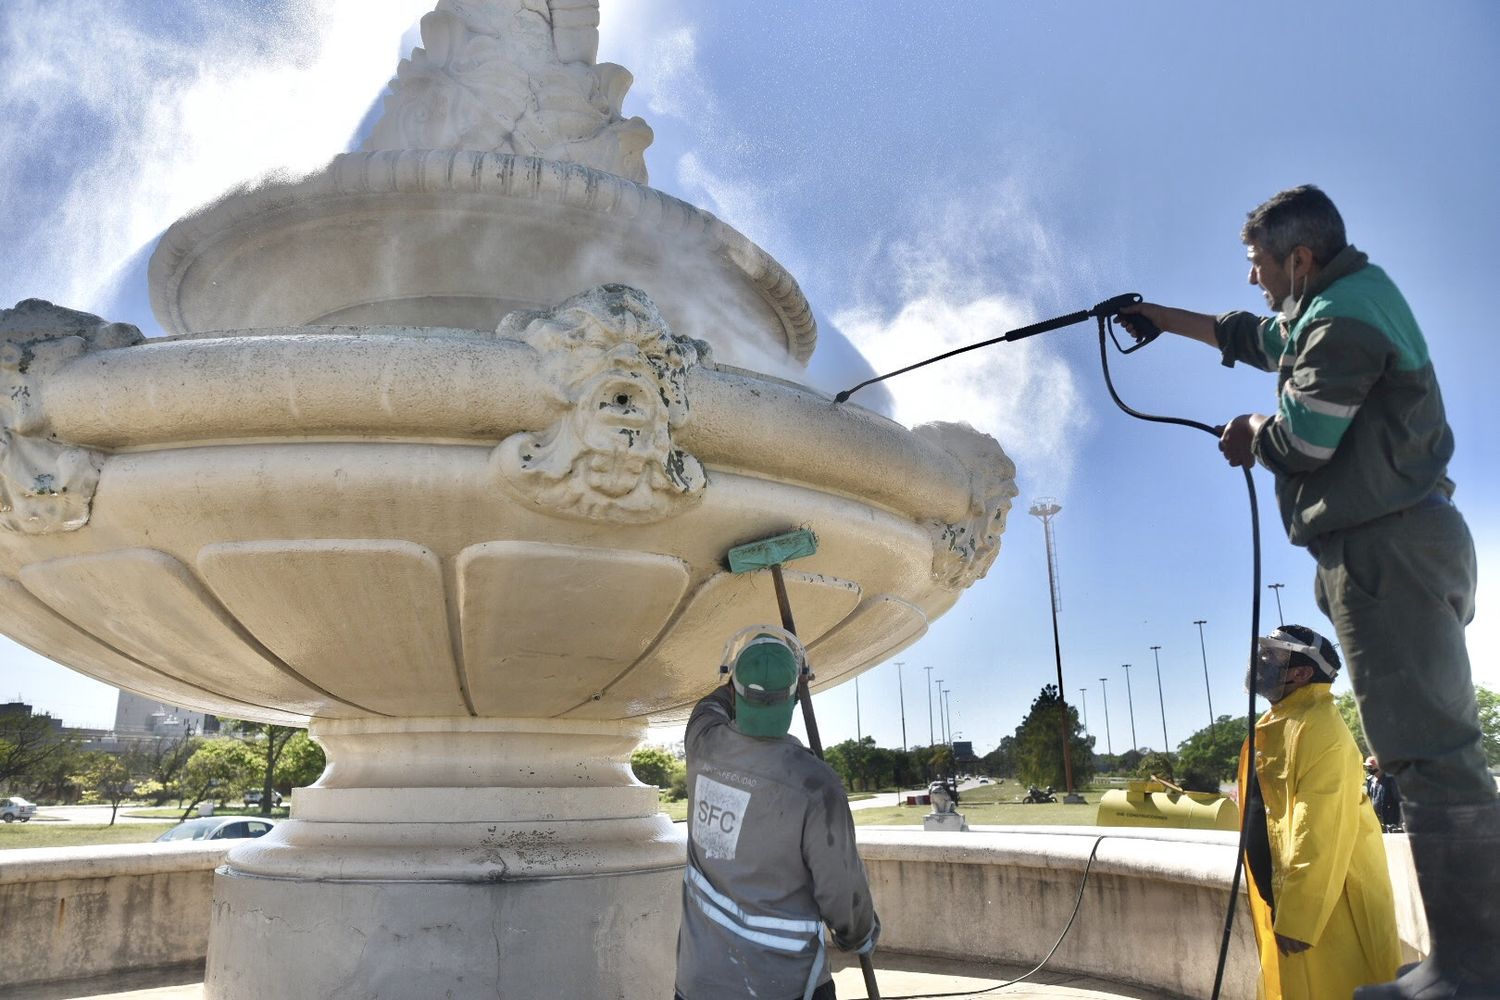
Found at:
(1106, 331)
(1077, 902)
(1239, 856)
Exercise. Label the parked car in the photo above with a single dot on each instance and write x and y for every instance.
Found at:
(252, 798)
(16, 808)
(219, 828)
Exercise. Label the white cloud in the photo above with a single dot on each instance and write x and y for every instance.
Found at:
(971, 268)
(175, 119)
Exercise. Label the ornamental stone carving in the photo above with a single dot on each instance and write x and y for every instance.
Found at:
(514, 76)
(610, 359)
(964, 550)
(45, 485)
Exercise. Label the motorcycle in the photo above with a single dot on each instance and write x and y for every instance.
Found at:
(1035, 794)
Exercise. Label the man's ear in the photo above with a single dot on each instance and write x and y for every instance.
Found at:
(1307, 264)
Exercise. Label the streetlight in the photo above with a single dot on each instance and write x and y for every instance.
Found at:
(930, 740)
(1083, 696)
(1200, 622)
(941, 725)
(1130, 700)
(901, 691)
(947, 718)
(859, 733)
(1275, 588)
(1046, 508)
(1166, 744)
(1109, 742)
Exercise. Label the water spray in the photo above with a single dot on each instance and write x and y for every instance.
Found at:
(1144, 331)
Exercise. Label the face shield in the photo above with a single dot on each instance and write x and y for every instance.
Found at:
(1269, 672)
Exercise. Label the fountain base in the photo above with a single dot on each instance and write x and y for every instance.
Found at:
(456, 857)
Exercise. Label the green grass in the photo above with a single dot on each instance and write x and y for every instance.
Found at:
(993, 805)
(34, 834)
(676, 811)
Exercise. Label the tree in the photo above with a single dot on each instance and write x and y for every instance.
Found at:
(1211, 755)
(26, 742)
(1000, 762)
(1156, 765)
(105, 778)
(159, 763)
(218, 768)
(1038, 750)
(267, 742)
(1489, 722)
(1349, 709)
(301, 763)
(652, 766)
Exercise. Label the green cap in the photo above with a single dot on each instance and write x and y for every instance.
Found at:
(765, 688)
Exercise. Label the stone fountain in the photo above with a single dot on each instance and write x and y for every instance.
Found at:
(441, 458)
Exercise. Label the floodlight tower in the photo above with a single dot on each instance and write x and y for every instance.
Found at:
(1130, 700)
(901, 693)
(1200, 622)
(1166, 745)
(1046, 508)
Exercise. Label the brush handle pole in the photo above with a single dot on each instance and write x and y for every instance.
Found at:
(804, 695)
(810, 721)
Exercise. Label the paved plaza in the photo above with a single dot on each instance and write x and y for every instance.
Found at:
(899, 977)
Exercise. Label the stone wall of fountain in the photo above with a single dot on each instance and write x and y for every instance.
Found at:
(442, 457)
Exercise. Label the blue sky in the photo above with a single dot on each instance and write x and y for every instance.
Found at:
(933, 174)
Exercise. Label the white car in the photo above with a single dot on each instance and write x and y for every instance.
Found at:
(220, 828)
(16, 808)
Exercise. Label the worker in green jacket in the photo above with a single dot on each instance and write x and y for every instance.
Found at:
(1359, 446)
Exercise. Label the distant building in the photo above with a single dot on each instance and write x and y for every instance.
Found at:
(137, 716)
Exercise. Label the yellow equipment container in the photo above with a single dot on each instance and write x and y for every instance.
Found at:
(1151, 803)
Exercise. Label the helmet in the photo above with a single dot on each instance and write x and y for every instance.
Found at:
(765, 664)
(1301, 646)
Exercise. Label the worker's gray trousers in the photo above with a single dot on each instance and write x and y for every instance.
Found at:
(1399, 591)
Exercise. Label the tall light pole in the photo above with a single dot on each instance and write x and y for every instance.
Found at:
(941, 725)
(1200, 622)
(1109, 741)
(859, 732)
(1275, 588)
(1166, 744)
(947, 719)
(1083, 696)
(1130, 700)
(1045, 509)
(901, 691)
(930, 740)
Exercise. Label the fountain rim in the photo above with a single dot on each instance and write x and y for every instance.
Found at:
(473, 174)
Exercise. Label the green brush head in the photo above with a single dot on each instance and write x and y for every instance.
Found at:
(772, 551)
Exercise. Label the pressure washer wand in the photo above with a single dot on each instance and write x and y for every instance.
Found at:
(1144, 331)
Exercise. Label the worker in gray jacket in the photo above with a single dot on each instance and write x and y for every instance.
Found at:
(770, 854)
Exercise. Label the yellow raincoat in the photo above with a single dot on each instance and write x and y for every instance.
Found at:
(1330, 883)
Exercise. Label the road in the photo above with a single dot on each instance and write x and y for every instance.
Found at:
(88, 814)
(885, 799)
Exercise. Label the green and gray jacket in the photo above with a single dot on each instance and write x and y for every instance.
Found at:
(1360, 431)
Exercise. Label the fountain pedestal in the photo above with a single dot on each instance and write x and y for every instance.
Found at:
(548, 871)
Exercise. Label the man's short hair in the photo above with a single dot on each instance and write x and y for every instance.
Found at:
(1297, 217)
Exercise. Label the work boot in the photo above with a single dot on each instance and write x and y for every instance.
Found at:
(1456, 850)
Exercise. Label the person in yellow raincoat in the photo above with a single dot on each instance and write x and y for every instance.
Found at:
(1320, 893)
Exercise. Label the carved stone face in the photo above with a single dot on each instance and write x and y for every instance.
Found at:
(623, 376)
